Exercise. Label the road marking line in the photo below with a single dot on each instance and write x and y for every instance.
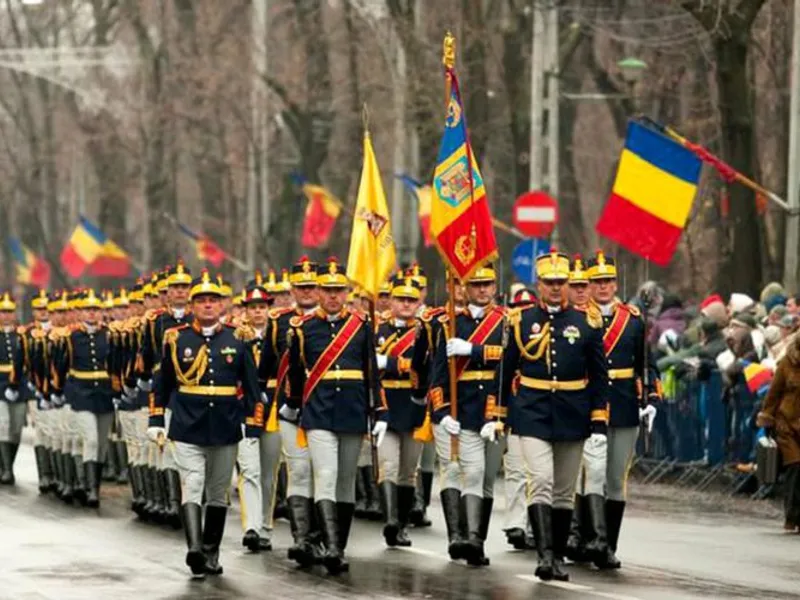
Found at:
(573, 587)
(577, 587)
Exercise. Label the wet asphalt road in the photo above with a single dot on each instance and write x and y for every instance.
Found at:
(52, 551)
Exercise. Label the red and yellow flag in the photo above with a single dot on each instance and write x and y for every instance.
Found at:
(461, 223)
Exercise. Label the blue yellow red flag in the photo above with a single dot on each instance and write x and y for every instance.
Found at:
(460, 220)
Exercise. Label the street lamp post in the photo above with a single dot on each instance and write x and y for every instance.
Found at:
(632, 69)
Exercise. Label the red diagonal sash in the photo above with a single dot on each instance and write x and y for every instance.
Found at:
(610, 338)
(330, 354)
(283, 370)
(479, 336)
(404, 343)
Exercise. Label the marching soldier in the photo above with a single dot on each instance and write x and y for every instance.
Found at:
(587, 537)
(60, 411)
(201, 368)
(633, 387)
(34, 339)
(398, 451)
(12, 407)
(165, 482)
(517, 527)
(561, 400)
(421, 365)
(86, 367)
(467, 486)
(332, 360)
(274, 368)
(259, 457)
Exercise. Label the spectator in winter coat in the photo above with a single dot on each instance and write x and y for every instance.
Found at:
(780, 415)
(671, 317)
(740, 303)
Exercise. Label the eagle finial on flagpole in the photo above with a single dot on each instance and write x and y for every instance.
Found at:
(449, 51)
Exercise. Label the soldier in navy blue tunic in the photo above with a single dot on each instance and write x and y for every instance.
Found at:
(555, 356)
(211, 377)
(332, 360)
(12, 405)
(403, 413)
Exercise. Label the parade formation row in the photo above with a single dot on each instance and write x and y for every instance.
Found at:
(293, 380)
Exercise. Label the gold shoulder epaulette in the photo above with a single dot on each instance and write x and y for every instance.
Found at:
(297, 320)
(171, 334)
(275, 313)
(594, 317)
(634, 310)
(153, 313)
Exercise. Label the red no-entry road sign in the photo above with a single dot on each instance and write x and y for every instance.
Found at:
(536, 214)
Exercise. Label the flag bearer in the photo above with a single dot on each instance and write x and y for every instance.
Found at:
(201, 370)
(561, 400)
(466, 485)
(332, 359)
(398, 451)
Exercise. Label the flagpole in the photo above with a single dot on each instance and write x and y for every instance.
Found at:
(718, 162)
(449, 61)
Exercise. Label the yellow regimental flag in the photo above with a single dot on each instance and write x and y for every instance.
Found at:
(372, 254)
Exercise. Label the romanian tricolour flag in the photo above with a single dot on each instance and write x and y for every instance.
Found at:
(461, 224)
(757, 377)
(372, 254)
(423, 195)
(84, 246)
(322, 210)
(652, 195)
(206, 249)
(112, 261)
(31, 269)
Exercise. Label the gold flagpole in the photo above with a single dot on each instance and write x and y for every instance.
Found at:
(449, 61)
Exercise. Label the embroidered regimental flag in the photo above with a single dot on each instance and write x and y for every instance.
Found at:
(461, 224)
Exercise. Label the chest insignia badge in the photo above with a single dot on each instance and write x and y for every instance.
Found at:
(572, 333)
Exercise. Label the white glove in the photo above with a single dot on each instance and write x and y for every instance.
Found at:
(130, 392)
(56, 400)
(44, 404)
(420, 401)
(145, 386)
(11, 395)
(288, 413)
(489, 431)
(598, 441)
(379, 431)
(450, 425)
(383, 360)
(648, 415)
(31, 387)
(154, 434)
(117, 403)
(458, 347)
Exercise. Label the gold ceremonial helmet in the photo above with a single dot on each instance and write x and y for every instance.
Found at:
(552, 266)
(332, 275)
(122, 299)
(406, 287)
(204, 285)
(7, 304)
(90, 300)
(601, 267)
(41, 300)
(224, 287)
(483, 275)
(180, 275)
(577, 273)
(304, 272)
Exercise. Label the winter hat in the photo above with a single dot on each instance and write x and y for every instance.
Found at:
(777, 312)
(714, 308)
(774, 301)
(740, 303)
(709, 327)
(772, 335)
(772, 289)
